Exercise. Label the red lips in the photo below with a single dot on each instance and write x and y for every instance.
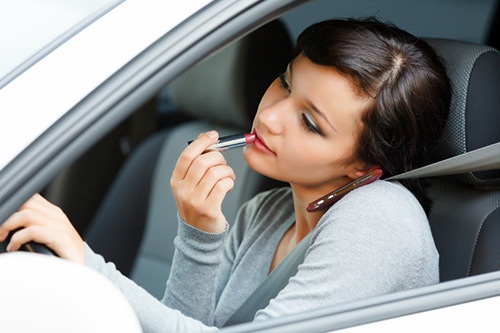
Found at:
(261, 146)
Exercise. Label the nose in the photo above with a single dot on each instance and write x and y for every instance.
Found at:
(274, 117)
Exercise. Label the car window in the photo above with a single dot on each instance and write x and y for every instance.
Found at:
(81, 190)
(41, 26)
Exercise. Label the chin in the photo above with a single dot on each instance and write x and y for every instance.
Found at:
(257, 163)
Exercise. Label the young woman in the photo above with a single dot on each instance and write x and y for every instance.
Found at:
(357, 96)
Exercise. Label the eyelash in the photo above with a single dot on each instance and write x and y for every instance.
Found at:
(310, 126)
(283, 83)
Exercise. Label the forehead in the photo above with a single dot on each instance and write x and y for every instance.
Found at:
(326, 83)
(341, 74)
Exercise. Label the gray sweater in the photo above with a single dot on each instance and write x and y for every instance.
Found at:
(374, 241)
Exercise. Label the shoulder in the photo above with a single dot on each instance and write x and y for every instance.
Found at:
(383, 191)
(381, 225)
(381, 199)
(385, 212)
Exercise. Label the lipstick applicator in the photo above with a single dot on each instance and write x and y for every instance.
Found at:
(232, 141)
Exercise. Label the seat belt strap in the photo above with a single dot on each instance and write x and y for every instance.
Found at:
(482, 159)
(272, 285)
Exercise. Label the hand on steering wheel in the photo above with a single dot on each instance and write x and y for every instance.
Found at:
(40, 222)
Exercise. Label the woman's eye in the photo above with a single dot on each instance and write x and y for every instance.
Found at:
(283, 83)
(310, 125)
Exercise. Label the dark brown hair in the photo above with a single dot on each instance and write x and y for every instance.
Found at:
(405, 77)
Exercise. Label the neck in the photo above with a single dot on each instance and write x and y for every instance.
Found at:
(305, 221)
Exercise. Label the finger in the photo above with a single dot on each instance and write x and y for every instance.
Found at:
(34, 211)
(34, 200)
(201, 165)
(219, 192)
(211, 178)
(17, 220)
(3, 233)
(12, 222)
(39, 199)
(24, 236)
(35, 233)
(39, 203)
(193, 150)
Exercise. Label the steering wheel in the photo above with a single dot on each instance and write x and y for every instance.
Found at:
(37, 248)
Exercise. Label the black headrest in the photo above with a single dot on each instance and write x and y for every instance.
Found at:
(227, 87)
(474, 119)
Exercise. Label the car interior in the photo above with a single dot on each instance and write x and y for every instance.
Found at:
(465, 212)
(216, 96)
(118, 194)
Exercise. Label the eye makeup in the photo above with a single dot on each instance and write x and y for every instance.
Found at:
(307, 120)
(310, 124)
(283, 82)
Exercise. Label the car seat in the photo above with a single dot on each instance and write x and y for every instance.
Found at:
(465, 216)
(137, 221)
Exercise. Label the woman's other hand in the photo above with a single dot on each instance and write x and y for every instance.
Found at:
(40, 221)
(200, 182)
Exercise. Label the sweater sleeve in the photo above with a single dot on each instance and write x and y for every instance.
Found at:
(200, 269)
(203, 263)
(191, 286)
(154, 316)
(373, 242)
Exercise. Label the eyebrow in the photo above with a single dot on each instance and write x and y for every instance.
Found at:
(321, 114)
(311, 104)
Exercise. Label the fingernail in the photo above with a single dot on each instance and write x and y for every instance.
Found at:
(212, 134)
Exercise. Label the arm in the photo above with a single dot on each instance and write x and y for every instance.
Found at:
(153, 315)
(45, 223)
(203, 262)
(199, 183)
(191, 286)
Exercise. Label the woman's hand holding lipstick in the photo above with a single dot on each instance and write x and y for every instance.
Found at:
(200, 182)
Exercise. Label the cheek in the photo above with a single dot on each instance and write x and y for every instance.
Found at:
(305, 157)
(316, 156)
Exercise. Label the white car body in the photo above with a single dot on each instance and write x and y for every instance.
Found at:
(90, 56)
(37, 98)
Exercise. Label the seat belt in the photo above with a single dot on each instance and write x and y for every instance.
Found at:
(274, 282)
(482, 159)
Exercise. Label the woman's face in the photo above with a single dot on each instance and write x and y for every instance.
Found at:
(307, 126)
